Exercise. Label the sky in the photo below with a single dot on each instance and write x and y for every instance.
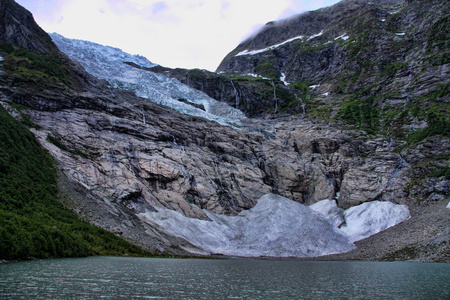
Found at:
(172, 33)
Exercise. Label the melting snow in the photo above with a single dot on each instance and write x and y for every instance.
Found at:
(344, 37)
(253, 52)
(315, 35)
(283, 79)
(257, 76)
(110, 63)
(280, 227)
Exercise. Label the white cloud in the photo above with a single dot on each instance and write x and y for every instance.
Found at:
(173, 33)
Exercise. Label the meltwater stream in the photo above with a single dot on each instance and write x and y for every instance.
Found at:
(152, 278)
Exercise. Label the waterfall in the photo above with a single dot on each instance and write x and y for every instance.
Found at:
(143, 117)
(405, 92)
(236, 95)
(301, 103)
(424, 47)
(275, 98)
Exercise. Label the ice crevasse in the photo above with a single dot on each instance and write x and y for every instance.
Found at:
(280, 227)
(132, 72)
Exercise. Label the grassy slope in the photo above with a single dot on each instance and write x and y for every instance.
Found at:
(33, 223)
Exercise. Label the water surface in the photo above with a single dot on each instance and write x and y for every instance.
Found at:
(152, 278)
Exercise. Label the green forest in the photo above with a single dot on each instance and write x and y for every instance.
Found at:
(33, 222)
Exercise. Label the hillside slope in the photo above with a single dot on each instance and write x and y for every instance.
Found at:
(383, 66)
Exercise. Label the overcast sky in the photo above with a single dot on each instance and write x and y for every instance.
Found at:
(172, 33)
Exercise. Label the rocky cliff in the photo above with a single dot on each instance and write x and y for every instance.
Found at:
(122, 157)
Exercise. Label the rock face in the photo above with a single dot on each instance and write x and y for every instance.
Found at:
(256, 96)
(122, 157)
(18, 27)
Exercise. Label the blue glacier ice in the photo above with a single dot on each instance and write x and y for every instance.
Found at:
(279, 227)
(276, 227)
(116, 66)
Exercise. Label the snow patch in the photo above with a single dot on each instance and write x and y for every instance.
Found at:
(253, 52)
(383, 20)
(314, 86)
(325, 94)
(400, 33)
(276, 226)
(1, 58)
(448, 205)
(315, 35)
(257, 76)
(343, 37)
(283, 79)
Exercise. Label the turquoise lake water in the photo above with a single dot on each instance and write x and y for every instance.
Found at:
(152, 278)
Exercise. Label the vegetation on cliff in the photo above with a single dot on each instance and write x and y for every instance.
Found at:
(28, 69)
(33, 223)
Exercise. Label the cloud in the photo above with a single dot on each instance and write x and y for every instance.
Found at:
(173, 33)
(299, 6)
(49, 11)
(159, 7)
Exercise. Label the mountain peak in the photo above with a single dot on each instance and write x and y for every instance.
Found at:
(17, 27)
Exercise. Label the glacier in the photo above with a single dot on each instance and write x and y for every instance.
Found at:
(369, 218)
(361, 221)
(126, 71)
(279, 227)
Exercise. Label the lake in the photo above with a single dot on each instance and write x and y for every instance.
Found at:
(154, 278)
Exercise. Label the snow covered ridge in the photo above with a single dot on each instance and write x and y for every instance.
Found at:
(280, 227)
(111, 64)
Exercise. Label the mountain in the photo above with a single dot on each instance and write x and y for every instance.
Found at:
(202, 181)
(382, 66)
